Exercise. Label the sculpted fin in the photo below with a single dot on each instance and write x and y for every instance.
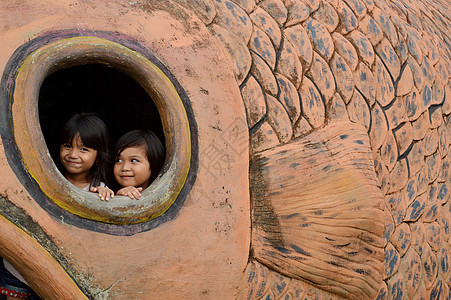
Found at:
(318, 211)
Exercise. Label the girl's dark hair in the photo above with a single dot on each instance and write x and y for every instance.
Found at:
(94, 134)
(154, 148)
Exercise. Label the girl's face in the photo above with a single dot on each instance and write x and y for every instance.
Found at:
(132, 167)
(77, 159)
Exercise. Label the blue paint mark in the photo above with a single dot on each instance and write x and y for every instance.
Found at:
(261, 289)
(327, 168)
(359, 7)
(359, 142)
(443, 192)
(411, 189)
(230, 6)
(299, 250)
(382, 295)
(432, 212)
(342, 246)
(360, 271)
(341, 66)
(274, 193)
(363, 76)
(257, 42)
(320, 45)
(282, 249)
(349, 19)
(368, 249)
(251, 276)
(290, 216)
(293, 165)
(374, 28)
(281, 287)
(282, 82)
(391, 260)
(397, 292)
(343, 136)
(432, 192)
(311, 28)
(417, 209)
(436, 292)
(444, 263)
(388, 229)
(334, 263)
(411, 104)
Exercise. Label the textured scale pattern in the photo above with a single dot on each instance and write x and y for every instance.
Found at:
(386, 65)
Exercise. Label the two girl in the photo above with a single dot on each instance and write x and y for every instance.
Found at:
(84, 158)
(84, 161)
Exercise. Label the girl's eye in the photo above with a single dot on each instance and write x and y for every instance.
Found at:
(118, 160)
(84, 149)
(66, 146)
(135, 160)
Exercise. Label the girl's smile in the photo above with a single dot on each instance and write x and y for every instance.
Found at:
(132, 168)
(77, 160)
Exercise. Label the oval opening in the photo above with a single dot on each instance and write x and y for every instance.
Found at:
(65, 61)
(114, 97)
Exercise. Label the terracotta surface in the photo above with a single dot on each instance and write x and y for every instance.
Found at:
(320, 160)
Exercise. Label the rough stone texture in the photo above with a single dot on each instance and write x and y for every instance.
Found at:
(298, 37)
(289, 64)
(254, 100)
(312, 104)
(302, 66)
(239, 52)
(321, 74)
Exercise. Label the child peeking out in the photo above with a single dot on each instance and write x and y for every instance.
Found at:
(139, 158)
(83, 152)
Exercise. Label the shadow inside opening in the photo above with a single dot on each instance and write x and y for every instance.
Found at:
(116, 98)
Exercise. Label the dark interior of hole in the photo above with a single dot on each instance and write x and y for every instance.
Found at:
(113, 96)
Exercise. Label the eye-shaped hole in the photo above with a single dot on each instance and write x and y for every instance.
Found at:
(83, 57)
(117, 99)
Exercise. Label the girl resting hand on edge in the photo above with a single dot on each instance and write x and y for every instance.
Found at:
(83, 153)
(139, 157)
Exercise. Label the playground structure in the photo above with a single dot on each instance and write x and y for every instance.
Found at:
(307, 150)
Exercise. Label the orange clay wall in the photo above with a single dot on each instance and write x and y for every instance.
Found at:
(307, 141)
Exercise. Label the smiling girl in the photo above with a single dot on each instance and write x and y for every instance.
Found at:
(83, 153)
(139, 157)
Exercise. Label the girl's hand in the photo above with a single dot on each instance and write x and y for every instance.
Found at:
(130, 191)
(104, 193)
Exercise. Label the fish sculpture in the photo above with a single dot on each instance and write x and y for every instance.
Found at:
(307, 150)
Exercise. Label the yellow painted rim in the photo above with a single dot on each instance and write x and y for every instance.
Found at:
(65, 53)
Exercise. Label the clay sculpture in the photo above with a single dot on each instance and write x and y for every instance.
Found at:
(307, 150)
